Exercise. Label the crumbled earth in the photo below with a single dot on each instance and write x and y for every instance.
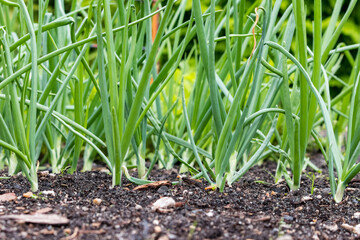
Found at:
(253, 208)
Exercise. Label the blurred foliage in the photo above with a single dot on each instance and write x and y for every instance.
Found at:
(350, 33)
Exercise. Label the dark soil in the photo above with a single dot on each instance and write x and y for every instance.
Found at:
(253, 208)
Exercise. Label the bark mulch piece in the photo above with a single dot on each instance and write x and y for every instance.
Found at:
(253, 208)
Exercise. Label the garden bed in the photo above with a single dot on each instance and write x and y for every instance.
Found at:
(253, 208)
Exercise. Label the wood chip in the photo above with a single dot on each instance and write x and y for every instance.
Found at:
(43, 210)
(28, 195)
(46, 231)
(153, 185)
(51, 219)
(96, 224)
(6, 197)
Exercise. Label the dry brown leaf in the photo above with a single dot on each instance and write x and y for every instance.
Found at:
(51, 219)
(7, 197)
(153, 185)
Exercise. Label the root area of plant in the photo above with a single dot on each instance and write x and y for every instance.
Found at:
(85, 206)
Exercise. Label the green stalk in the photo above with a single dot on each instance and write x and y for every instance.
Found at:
(106, 114)
(197, 157)
(300, 14)
(144, 81)
(33, 97)
(316, 71)
(207, 58)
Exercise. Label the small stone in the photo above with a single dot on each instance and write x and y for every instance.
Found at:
(315, 237)
(299, 208)
(50, 192)
(67, 231)
(332, 228)
(288, 218)
(210, 214)
(163, 203)
(156, 222)
(24, 234)
(97, 201)
(163, 237)
(318, 196)
(28, 195)
(162, 189)
(138, 207)
(285, 237)
(357, 215)
(96, 224)
(105, 170)
(157, 229)
(306, 198)
(52, 175)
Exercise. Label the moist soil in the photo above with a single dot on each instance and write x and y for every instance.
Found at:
(252, 208)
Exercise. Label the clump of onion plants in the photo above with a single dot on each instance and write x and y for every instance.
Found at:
(105, 81)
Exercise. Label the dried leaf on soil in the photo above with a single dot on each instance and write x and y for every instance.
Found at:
(51, 219)
(153, 185)
(7, 197)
